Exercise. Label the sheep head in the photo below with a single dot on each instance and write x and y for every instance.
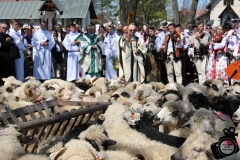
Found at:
(97, 137)
(170, 114)
(116, 83)
(195, 147)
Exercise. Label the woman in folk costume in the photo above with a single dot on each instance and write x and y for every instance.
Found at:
(132, 53)
(111, 53)
(217, 63)
(91, 54)
(19, 63)
(72, 43)
(43, 42)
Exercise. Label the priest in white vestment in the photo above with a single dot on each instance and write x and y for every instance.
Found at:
(19, 63)
(42, 42)
(132, 53)
(72, 43)
(91, 54)
(111, 53)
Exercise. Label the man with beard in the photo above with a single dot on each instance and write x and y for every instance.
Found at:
(7, 64)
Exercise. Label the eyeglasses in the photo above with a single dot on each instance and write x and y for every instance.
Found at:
(208, 28)
(132, 30)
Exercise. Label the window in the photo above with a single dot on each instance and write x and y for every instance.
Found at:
(228, 2)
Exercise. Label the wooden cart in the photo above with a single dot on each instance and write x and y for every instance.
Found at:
(46, 120)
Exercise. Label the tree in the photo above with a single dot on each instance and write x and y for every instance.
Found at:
(151, 11)
(125, 7)
(106, 10)
(175, 11)
(192, 11)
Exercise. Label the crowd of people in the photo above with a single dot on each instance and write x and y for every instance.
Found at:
(128, 51)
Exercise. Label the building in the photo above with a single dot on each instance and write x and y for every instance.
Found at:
(218, 11)
(63, 12)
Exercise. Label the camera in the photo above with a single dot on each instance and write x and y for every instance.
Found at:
(227, 145)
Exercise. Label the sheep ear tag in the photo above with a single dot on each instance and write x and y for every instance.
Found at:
(137, 116)
(27, 139)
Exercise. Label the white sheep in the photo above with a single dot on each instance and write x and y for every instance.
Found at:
(130, 140)
(92, 93)
(195, 147)
(30, 91)
(170, 115)
(11, 148)
(145, 92)
(124, 95)
(133, 85)
(157, 86)
(116, 83)
(101, 82)
(215, 88)
(10, 83)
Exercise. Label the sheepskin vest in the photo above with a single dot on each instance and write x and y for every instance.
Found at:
(178, 52)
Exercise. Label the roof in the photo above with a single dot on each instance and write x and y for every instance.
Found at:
(227, 10)
(75, 9)
(199, 16)
(20, 10)
(209, 4)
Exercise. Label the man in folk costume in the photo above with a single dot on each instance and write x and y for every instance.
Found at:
(91, 53)
(198, 41)
(132, 53)
(109, 49)
(42, 42)
(173, 52)
(72, 44)
(19, 63)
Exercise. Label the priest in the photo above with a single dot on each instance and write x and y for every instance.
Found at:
(19, 62)
(72, 43)
(42, 42)
(91, 53)
(111, 53)
(132, 53)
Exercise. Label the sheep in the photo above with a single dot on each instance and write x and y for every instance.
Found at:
(170, 95)
(215, 88)
(235, 88)
(124, 95)
(75, 150)
(199, 88)
(83, 83)
(172, 86)
(29, 78)
(101, 82)
(34, 157)
(69, 92)
(13, 102)
(225, 104)
(97, 136)
(130, 140)
(169, 116)
(204, 120)
(30, 91)
(10, 84)
(149, 110)
(10, 138)
(94, 92)
(146, 92)
(195, 147)
(132, 85)
(116, 83)
(157, 86)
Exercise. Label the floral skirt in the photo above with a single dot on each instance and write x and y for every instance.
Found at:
(216, 67)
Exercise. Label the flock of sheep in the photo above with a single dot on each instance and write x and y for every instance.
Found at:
(145, 121)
